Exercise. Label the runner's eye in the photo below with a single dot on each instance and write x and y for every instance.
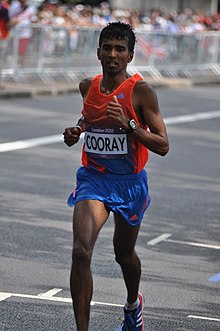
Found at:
(106, 48)
(121, 49)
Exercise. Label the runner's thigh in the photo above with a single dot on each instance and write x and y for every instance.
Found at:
(125, 235)
(88, 218)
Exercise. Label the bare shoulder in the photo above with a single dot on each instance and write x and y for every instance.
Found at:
(84, 86)
(144, 96)
(142, 88)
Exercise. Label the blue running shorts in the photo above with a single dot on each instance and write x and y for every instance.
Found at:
(126, 194)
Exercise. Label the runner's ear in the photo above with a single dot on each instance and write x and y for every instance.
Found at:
(98, 51)
(130, 57)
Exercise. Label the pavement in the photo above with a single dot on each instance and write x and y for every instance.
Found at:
(179, 239)
(13, 89)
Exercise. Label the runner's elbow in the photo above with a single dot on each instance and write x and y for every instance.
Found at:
(164, 150)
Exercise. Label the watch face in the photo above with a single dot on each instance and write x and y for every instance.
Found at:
(133, 124)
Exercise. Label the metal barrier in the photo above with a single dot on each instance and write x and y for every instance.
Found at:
(54, 53)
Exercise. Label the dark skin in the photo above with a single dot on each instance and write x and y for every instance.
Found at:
(90, 215)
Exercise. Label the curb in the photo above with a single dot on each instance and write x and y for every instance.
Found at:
(25, 91)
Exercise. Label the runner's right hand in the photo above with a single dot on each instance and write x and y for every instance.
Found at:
(71, 135)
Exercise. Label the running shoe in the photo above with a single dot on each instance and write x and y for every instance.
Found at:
(133, 320)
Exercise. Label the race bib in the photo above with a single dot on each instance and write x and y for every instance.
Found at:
(105, 143)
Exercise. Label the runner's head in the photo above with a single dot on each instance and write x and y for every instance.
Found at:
(120, 31)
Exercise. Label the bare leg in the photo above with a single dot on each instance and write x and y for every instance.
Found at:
(125, 237)
(88, 218)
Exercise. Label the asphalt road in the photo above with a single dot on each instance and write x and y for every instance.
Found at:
(179, 239)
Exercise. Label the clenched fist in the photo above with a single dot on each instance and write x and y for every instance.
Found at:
(71, 135)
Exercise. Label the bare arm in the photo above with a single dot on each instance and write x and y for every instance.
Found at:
(156, 138)
(147, 109)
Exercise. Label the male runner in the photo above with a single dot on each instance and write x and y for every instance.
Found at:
(121, 120)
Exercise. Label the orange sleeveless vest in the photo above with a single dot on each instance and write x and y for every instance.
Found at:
(105, 148)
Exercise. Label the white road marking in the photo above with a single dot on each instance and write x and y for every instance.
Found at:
(158, 239)
(50, 293)
(204, 318)
(6, 295)
(193, 244)
(192, 117)
(50, 297)
(106, 304)
(29, 296)
(34, 142)
(166, 237)
(22, 144)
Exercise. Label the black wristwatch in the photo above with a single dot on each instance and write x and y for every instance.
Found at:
(132, 125)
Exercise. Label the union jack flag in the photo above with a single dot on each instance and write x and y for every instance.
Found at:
(148, 50)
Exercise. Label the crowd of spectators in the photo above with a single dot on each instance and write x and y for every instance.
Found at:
(53, 12)
(161, 19)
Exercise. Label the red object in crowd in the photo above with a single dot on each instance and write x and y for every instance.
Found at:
(4, 20)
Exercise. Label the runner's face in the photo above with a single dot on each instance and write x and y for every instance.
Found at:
(114, 55)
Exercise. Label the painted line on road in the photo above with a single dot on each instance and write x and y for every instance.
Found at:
(192, 117)
(166, 237)
(28, 143)
(204, 318)
(4, 296)
(50, 297)
(215, 278)
(158, 239)
(34, 142)
(106, 304)
(50, 293)
(193, 244)
(29, 296)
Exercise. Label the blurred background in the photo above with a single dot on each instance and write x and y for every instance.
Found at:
(55, 41)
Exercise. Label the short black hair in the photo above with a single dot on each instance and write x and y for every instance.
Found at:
(120, 31)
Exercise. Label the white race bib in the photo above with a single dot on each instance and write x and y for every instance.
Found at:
(105, 143)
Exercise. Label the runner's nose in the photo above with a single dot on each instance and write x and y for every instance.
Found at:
(112, 53)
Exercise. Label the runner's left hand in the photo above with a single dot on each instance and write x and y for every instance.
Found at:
(115, 111)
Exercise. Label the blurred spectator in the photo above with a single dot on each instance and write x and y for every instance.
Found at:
(4, 19)
(16, 8)
(172, 25)
(4, 32)
(22, 15)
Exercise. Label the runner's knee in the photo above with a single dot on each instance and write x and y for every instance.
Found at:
(81, 255)
(124, 258)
